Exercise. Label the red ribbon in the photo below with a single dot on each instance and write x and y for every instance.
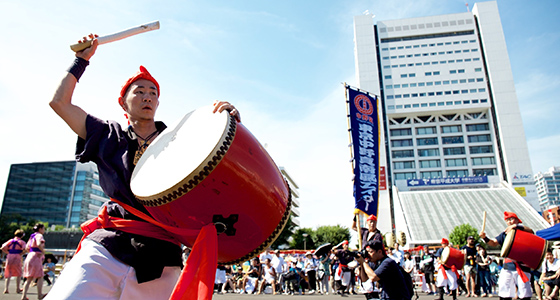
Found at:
(442, 270)
(198, 275)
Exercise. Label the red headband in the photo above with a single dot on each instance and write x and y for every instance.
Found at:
(508, 215)
(345, 243)
(372, 217)
(142, 74)
(444, 241)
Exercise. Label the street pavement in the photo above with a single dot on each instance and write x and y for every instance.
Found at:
(32, 294)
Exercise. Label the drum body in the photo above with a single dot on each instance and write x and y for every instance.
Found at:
(453, 257)
(524, 247)
(210, 169)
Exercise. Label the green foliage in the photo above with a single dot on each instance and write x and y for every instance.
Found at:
(10, 223)
(459, 234)
(315, 238)
(331, 234)
(301, 242)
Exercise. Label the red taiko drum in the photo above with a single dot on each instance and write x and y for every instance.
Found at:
(210, 169)
(524, 247)
(453, 257)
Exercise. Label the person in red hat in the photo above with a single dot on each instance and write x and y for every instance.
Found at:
(113, 263)
(343, 272)
(446, 276)
(370, 233)
(513, 273)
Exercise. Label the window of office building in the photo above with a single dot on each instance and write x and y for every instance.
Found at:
(428, 152)
(407, 175)
(452, 140)
(431, 174)
(477, 161)
(425, 130)
(454, 151)
(480, 149)
(426, 141)
(436, 163)
(450, 129)
(484, 172)
(403, 153)
(401, 143)
(457, 173)
(457, 162)
(403, 165)
(400, 132)
(479, 138)
(477, 127)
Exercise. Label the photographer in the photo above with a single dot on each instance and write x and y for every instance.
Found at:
(387, 273)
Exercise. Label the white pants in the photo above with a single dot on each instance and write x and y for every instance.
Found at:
(507, 282)
(344, 277)
(94, 273)
(451, 279)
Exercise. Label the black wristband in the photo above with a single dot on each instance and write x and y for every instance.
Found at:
(486, 239)
(78, 67)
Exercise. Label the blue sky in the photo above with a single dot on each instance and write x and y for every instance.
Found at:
(280, 62)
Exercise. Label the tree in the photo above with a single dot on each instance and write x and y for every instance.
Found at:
(298, 239)
(331, 234)
(459, 234)
(10, 223)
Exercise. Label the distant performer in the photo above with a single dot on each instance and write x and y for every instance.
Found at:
(15, 248)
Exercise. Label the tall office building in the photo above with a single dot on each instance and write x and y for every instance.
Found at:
(60, 193)
(548, 188)
(448, 96)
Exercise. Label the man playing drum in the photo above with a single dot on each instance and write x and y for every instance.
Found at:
(446, 275)
(512, 273)
(112, 263)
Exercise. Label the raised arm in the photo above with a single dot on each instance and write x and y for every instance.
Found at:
(61, 103)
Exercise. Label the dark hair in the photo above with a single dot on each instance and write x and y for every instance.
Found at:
(375, 245)
(19, 233)
(38, 226)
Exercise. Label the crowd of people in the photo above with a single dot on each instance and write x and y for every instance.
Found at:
(32, 269)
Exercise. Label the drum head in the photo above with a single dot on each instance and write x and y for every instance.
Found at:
(508, 242)
(179, 152)
(445, 254)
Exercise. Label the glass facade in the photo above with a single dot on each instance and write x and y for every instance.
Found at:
(60, 193)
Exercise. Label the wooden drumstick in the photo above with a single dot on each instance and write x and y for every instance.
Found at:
(483, 222)
(118, 35)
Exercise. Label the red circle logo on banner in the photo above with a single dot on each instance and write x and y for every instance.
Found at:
(363, 104)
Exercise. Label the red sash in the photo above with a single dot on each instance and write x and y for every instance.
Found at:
(518, 269)
(197, 278)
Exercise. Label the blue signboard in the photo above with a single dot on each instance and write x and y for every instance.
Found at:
(364, 131)
(447, 181)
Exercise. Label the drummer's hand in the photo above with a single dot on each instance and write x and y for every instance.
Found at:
(510, 228)
(220, 106)
(88, 52)
(482, 235)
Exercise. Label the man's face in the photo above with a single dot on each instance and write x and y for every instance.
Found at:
(470, 242)
(512, 221)
(372, 225)
(141, 100)
(375, 255)
(345, 246)
(549, 256)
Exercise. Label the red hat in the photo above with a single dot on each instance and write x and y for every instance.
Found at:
(444, 241)
(372, 218)
(508, 214)
(345, 243)
(142, 74)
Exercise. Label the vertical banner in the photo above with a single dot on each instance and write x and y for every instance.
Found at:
(364, 134)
